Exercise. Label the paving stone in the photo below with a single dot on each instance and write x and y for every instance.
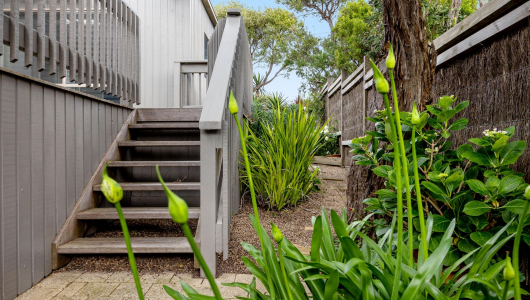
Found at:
(128, 291)
(97, 289)
(157, 291)
(71, 290)
(39, 293)
(164, 277)
(188, 278)
(85, 297)
(68, 275)
(120, 277)
(247, 278)
(53, 282)
(93, 277)
(226, 291)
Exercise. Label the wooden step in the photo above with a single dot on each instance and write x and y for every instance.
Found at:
(130, 164)
(158, 143)
(117, 245)
(133, 213)
(169, 114)
(173, 125)
(155, 186)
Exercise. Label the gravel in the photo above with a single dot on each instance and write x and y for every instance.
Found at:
(295, 223)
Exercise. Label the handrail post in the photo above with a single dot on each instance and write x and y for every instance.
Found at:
(211, 140)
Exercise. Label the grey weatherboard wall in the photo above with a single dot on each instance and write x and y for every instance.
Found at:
(51, 142)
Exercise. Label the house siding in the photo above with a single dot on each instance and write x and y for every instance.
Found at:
(51, 142)
(170, 30)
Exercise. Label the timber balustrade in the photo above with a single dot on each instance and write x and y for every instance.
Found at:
(230, 68)
(190, 82)
(104, 55)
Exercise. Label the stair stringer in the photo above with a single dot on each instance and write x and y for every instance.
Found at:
(72, 228)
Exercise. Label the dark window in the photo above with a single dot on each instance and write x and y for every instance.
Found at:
(205, 47)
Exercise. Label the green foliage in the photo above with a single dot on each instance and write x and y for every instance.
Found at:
(436, 15)
(276, 37)
(329, 143)
(337, 268)
(280, 156)
(358, 32)
(359, 28)
(472, 184)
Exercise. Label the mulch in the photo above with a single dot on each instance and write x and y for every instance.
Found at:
(294, 221)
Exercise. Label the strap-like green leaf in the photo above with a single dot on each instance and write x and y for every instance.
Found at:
(432, 265)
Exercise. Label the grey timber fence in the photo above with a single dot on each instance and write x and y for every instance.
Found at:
(469, 54)
(483, 59)
(93, 43)
(51, 142)
(231, 70)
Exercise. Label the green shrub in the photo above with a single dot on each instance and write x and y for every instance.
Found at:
(338, 268)
(280, 158)
(476, 187)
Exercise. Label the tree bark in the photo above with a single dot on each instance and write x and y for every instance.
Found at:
(454, 12)
(415, 57)
(413, 74)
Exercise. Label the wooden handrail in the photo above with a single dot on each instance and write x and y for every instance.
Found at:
(231, 70)
(219, 83)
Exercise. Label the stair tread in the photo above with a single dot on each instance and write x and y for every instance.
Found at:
(158, 143)
(133, 213)
(154, 186)
(175, 125)
(117, 245)
(115, 164)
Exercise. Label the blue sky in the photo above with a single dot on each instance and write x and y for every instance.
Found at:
(288, 86)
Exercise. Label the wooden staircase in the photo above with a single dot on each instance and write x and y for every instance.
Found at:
(169, 138)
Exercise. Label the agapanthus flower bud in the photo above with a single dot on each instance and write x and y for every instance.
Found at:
(178, 208)
(527, 192)
(380, 82)
(415, 117)
(277, 234)
(509, 272)
(110, 188)
(232, 104)
(390, 59)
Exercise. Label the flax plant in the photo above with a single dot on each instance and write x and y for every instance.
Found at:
(382, 87)
(114, 193)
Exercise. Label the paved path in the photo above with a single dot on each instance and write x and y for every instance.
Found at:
(77, 285)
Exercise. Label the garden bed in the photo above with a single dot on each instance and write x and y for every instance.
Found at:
(295, 222)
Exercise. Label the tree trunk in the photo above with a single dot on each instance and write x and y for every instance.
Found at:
(414, 74)
(454, 12)
(415, 57)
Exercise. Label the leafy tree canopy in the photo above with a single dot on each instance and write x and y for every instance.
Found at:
(359, 28)
(277, 39)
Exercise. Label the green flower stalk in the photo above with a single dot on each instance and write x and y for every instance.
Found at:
(517, 243)
(416, 120)
(178, 209)
(382, 87)
(233, 108)
(114, 193)
(390, 63)
(508, 275)
(277, 235)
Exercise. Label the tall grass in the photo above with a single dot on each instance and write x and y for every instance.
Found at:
(280, 158)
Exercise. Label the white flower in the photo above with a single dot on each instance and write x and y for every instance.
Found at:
(327, 138)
